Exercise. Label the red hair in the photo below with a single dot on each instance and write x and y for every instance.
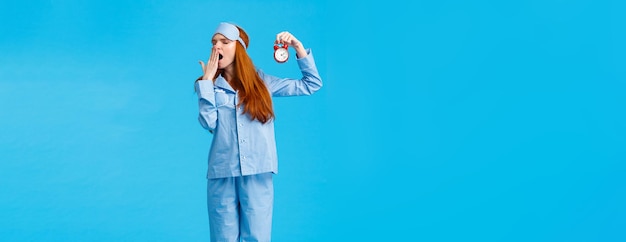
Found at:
(253, 94)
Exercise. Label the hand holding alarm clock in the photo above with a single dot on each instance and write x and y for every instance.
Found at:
(281, 54)
(283, 41)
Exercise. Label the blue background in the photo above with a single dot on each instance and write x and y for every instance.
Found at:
(438, 120)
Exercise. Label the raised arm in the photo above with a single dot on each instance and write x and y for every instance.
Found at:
(310, 81)
(206, 93)
(288, 38)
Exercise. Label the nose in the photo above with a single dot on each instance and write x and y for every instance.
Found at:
(219, 45)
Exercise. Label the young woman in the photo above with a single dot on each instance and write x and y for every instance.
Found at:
(235, 105)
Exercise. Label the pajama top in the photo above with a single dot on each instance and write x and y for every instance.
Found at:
(242, 146)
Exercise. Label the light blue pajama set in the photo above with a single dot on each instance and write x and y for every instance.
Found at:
(242, 157)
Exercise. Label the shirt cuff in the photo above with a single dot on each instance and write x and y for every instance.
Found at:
(204, 87)
(307, 60)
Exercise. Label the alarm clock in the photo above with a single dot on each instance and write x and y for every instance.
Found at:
(281, 54)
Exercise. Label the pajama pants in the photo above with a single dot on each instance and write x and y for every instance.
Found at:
(241, 208)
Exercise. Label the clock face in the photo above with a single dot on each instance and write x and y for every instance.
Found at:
(281, 55)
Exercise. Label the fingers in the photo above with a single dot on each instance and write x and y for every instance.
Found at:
(279, 38)
(287, 38)
(202, 65)
(203, 77)
(210, 68)
(214, 54)
(284, 37)
(214, 58)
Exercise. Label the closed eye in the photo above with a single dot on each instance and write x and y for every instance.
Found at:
(223, 41)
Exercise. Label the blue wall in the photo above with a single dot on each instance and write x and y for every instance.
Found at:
(439, 121)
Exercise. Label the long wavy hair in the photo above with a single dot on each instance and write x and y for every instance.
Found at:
(253, 94)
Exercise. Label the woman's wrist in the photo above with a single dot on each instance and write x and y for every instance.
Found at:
(300, 51)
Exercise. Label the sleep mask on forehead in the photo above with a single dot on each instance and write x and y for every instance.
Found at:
(231, 32)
